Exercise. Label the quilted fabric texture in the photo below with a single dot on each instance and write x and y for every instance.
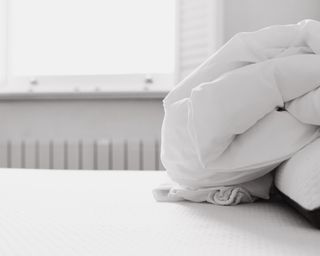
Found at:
(113, 213)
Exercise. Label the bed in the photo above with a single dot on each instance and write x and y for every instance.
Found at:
(113, 213)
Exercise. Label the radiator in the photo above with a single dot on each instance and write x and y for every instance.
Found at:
(116, 154)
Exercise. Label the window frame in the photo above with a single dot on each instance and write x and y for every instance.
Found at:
(97, 83)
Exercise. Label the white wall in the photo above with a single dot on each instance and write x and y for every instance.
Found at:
(80, 119)
(249, 15)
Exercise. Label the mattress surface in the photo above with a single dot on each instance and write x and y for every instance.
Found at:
(114, 213)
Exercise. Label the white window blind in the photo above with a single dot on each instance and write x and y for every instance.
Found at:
(3, 41)
(91, 37)
(199, 33)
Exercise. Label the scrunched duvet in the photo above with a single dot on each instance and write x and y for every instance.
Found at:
(248, 108)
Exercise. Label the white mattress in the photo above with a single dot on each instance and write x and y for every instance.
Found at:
(114, 213)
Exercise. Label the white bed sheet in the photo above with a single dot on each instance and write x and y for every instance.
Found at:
(114, 213)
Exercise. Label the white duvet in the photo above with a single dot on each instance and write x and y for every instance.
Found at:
(248, 108)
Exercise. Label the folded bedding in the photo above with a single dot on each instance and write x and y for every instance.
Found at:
(248, 108)
(224, 195)
(298, 181)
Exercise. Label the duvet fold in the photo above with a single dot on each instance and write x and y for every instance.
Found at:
(248, 108)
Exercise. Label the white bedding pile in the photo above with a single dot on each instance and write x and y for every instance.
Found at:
(248, 108)
(299, 177)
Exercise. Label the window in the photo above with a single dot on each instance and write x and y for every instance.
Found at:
(106, 41)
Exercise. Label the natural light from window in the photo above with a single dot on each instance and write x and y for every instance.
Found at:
(91, 37)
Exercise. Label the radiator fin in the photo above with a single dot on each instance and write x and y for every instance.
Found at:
(115, 154)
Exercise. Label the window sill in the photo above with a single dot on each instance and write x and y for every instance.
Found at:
(139, 86)
(78, 94)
